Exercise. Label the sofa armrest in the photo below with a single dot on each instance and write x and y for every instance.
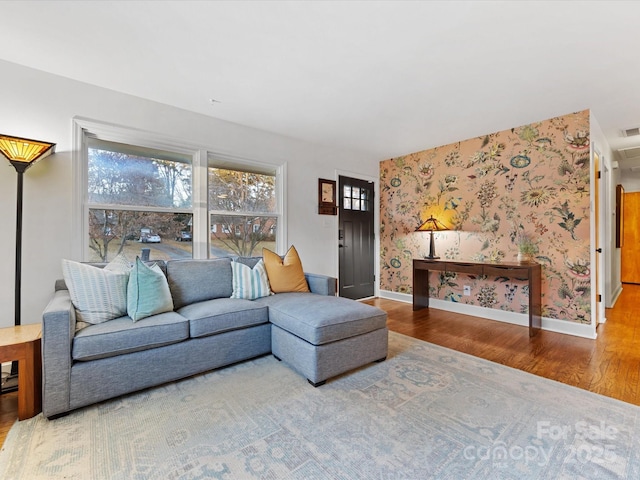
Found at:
(58, 330)
(322, 284)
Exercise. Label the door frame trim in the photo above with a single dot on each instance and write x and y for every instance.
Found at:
(376, 225)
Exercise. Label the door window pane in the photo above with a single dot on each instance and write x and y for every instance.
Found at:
(356, 198)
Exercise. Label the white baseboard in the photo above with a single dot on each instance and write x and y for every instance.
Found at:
(615, 295)
(551, 324)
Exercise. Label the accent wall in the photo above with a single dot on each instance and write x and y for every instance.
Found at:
(531, 180)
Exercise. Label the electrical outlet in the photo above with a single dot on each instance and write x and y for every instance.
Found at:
(467, 290)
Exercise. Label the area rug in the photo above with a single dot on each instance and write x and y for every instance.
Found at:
(425, 413)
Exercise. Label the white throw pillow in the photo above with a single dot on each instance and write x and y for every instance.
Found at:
(250, 283)
(98, 294)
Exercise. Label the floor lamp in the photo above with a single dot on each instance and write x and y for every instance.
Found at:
(21, 153)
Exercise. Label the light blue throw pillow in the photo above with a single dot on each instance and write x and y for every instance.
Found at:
(97, 294)
(250, 283)
(148, 291)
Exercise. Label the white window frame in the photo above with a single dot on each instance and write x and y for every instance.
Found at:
(84, 127)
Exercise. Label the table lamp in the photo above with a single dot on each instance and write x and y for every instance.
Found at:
(432, 225)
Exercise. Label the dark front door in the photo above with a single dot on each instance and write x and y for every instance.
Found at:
(356, 238)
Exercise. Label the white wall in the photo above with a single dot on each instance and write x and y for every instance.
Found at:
(631, 183)
(40, 106)
(615, 257)
(611, 179)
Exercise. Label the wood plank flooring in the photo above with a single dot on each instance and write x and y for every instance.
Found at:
(609, 365)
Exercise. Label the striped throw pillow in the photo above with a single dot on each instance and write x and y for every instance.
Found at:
(250, 283)
(98, 294)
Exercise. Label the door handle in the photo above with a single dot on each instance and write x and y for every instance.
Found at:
(599, 250)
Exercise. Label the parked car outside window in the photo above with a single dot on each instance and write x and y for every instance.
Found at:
(184, 236)
(147, 236)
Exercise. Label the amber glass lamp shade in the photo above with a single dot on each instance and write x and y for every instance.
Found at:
(431, 225)
(23, 152)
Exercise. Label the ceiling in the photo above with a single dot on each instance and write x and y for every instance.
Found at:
(384, 78)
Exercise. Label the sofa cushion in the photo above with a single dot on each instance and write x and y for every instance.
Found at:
(320, 319)
(249, 283)
(97, 294)
(285, 274)
(192, 281)
(223, 314)
(121, 336)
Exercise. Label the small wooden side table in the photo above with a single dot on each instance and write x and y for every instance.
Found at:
(22, 343)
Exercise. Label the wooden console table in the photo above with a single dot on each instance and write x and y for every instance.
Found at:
(22, 343)
(525, 271)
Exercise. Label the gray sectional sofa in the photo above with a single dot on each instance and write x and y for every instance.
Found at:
(317, 334)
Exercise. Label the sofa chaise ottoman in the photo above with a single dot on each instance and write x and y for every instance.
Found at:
(340, 335)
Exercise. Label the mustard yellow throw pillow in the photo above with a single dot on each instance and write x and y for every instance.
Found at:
(285, 275)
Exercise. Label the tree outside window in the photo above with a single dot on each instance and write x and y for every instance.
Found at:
(134, 191)
(243, 211)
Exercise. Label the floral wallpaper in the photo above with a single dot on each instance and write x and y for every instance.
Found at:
(530, 181)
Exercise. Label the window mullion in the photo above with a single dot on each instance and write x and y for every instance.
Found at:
(239, 213)
(200, 229)
(137, 208)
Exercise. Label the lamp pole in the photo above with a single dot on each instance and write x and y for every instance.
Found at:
(20, 168)
(18, 280)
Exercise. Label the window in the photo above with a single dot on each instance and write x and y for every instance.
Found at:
(137, 198)
(243, 200)
(143, 193)
(356, 198)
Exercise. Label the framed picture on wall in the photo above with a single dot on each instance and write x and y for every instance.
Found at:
(327, 197)
(619, 216)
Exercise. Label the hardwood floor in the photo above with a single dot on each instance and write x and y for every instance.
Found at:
(8, 413)
(609, 365)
